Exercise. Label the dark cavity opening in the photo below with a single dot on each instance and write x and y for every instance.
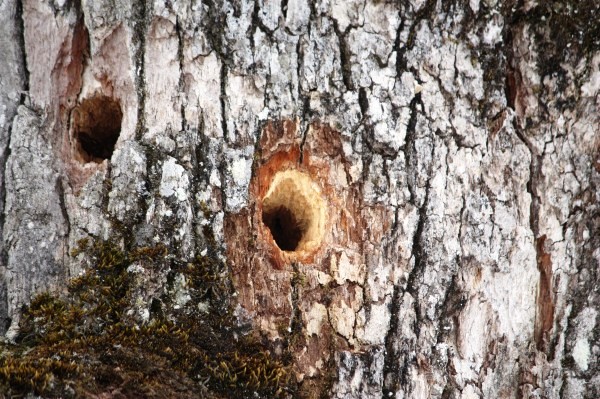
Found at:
(96, 128)
(284, 227)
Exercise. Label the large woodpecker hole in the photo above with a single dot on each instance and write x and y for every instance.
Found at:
(285, 229)
(96, 128)
(294, 211)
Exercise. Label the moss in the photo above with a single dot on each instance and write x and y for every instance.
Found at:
(87, 343)
(81, 244)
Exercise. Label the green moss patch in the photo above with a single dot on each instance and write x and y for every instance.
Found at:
(89, 342)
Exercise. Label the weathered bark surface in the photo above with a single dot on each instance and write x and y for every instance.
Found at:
(455, 145)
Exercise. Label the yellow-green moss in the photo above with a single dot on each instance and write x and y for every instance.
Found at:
(86, 343)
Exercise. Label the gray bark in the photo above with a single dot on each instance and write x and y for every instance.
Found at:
(12, 82)
(455, 146)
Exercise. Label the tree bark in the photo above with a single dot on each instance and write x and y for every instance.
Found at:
(411, 188)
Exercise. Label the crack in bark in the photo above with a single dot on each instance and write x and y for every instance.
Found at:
(223, 99)
(181, 83)
(303, 142)
(20, 28)
(424, 13)
(344, 56)
(363, 103)
(140, 28)
(296, 317)
(545, 299)
(391, 364)
(6, 151)
(394, 374)
(368, 131)
(410, 139)
(417, 251)
(305, 98)
(392, 369)
(400, 61)
(258, 23)
(60, 192)
(214, 31)
(544, 318)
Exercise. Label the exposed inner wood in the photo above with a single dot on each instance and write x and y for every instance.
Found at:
(294, 211)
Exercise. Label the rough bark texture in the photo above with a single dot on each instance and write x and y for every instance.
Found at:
(453, 148)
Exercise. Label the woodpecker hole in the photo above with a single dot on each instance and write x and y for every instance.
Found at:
(294, 212)
(285, 229)
(96, 128)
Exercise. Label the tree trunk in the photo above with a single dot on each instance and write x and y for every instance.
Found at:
(405, 194)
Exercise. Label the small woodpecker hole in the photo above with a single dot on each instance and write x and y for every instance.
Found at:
(96, 128)
(294, 212)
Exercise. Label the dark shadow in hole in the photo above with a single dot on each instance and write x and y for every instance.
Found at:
(284, 227)
(96, 128)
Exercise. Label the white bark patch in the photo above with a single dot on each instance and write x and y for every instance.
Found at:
(47, 56)
(419, 385)
(575, 388)
(241, 170)
(592, 87)
(203, 88)
(338, 176)
(347, 12)
(471, 75)
(581, 353)
(270, 12)
(174, 180)
(342, 319)
(470, 392)
(473, 332)
(379, 277)
(245, 102)
(320, 277)
(511, 296)
(474, 4)
(585, 323)
(344, 270)
(298, 12)
(492, 33)
(237, 178)
(180, 291)
(377, 324)
(129, 173)
(314, 319)
(163, 100)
